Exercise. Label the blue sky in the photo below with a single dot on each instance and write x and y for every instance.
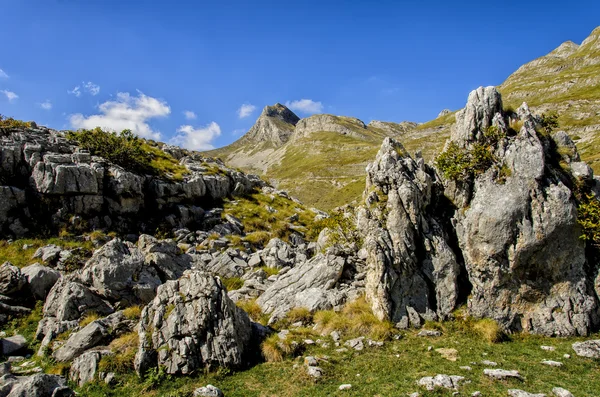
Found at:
(182, 71)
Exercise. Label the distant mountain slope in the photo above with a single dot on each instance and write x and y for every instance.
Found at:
(321, 159)
(567, 80)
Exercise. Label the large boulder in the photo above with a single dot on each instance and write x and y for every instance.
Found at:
(164, 256)
(70, 300)
(192, 324)
(310, 285)
(40, 279)
(41, 385)
(84, 368)
(117, 272)
(413, 272)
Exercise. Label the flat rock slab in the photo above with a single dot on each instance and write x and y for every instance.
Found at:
(443, 381)
(448, 354)
(208, 391)
(429, 333)
(12, 344)
(589, 348)
(560, 392)
(521, 393)
(552, 363)
(502, 374)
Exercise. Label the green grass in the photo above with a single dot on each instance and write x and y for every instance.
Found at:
(393, 371)
(14, 253)
(261, 225)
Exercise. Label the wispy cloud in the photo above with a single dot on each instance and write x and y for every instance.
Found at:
(3, 74)
(189, 115)
(75, 91)
(46, 105)
(246, 110)
(11, 96)
(89, 87)
(126, 112)
(307, 106)
(197, 138)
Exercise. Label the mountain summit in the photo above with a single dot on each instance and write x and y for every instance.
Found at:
(274, 125)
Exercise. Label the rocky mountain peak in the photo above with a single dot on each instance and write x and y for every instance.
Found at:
(565, 49)
(274, 126)
(281, 112)
(593, 39)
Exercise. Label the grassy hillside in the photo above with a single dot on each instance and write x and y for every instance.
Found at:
(327, 169)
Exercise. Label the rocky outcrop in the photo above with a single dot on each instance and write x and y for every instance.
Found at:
(519, 237)
(326, 122)
(190, 325)
(505, 236)
(413, 272)
(40, 385)
(46, 181)
(117, 272)
(324, 282)
(85, 367)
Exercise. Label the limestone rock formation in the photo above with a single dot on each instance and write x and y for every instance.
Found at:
(311, 285)
(47, 178)
(519, 237)
(11, 279)
(413, 272)
(40, 279)
(190, 325)
(505, 235)
(326, 122)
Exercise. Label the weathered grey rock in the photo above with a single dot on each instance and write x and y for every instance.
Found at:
(441, 381)
(11, 279)
(91, 335)
(412, 269)
(12, 344)
(39, 385)
(69, 300)
(40, 279)
(560, 392)
(117, 272)
(84, 368)
(48, 253)
(208, 391)
(326, 122)
(589, 348)
(314, 372)
(502, 374)
(443, 113)
(552, 363)
(309, 285)
(192, 324)
(356, 343)
(519, 238)
(164, 256)
(345, 386)
(521, 393)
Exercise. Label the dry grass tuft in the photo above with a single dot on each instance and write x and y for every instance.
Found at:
(88, 318)
(133, 312)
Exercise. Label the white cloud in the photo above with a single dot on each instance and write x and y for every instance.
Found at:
(91, 88)
(305, 106)
(197, 138)
(11, 96)
(246, 110)
(3, 74)
(46, 105)
(75, 91)
(126, 112)
(189, 115)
